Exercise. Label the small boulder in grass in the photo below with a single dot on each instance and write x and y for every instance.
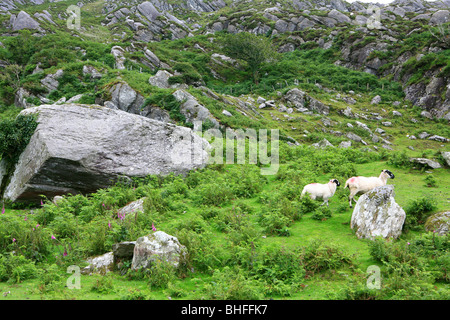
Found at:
(157, 246)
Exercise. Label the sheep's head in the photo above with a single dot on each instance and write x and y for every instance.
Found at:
(335, 181)
(390, 174)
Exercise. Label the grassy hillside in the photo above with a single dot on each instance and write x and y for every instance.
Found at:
(248, 235)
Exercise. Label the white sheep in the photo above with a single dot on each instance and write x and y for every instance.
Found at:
(364, 184)
(322, 191)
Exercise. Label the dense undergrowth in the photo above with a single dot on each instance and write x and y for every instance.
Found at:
(231, 219)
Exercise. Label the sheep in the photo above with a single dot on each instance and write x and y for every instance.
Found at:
(364, 184)
(319, 190)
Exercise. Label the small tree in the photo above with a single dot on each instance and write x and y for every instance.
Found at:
(254, 50)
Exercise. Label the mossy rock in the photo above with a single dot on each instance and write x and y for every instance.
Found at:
(439, 223)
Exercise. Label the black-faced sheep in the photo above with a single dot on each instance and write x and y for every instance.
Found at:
(364, 184)
(321, 191)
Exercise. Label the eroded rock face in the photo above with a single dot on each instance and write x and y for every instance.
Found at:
(81, 148)
(158, 245)
(376, 214)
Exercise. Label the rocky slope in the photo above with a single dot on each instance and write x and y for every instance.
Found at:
(370, 37)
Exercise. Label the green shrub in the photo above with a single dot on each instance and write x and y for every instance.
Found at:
(430, 181)
(214, 194)
(15, 134)
(417, 211)
(233, 284)
(322, 213)
(400, 160)
(16, 268)
(103, 285)
(318, 257)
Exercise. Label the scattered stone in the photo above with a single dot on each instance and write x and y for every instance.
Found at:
(426, 114)
(23, 21)
(227, 113)
(376, 100)
(438, 138)
(322, 144)
(345, 144)
(387, 123)
(397, 114)
(100, 264)
(426, 162)
(424, 135)
(133, 207)
(51, 80)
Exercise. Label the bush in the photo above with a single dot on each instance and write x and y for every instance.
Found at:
(318, 257)
(15, 134)
(322, 213)
(417, 211)
(16, 269)
(233, 284)
(213, 194)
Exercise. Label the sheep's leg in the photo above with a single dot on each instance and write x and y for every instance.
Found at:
(353, 192)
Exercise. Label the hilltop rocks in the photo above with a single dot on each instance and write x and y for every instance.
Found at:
(377, 214)
(157, 246)
(80, 148)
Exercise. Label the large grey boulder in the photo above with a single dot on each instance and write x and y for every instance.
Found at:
(157, 246)
(376, 214)
(440, 17)
(148, 10)
(23, 21)
(82, 148)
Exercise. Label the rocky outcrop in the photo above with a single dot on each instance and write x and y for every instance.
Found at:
(23, 21)
(376, 214)
(125, 98)
(426, 162)
(157, 246)
(302, 102)
(82, 148)
(193, 110)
